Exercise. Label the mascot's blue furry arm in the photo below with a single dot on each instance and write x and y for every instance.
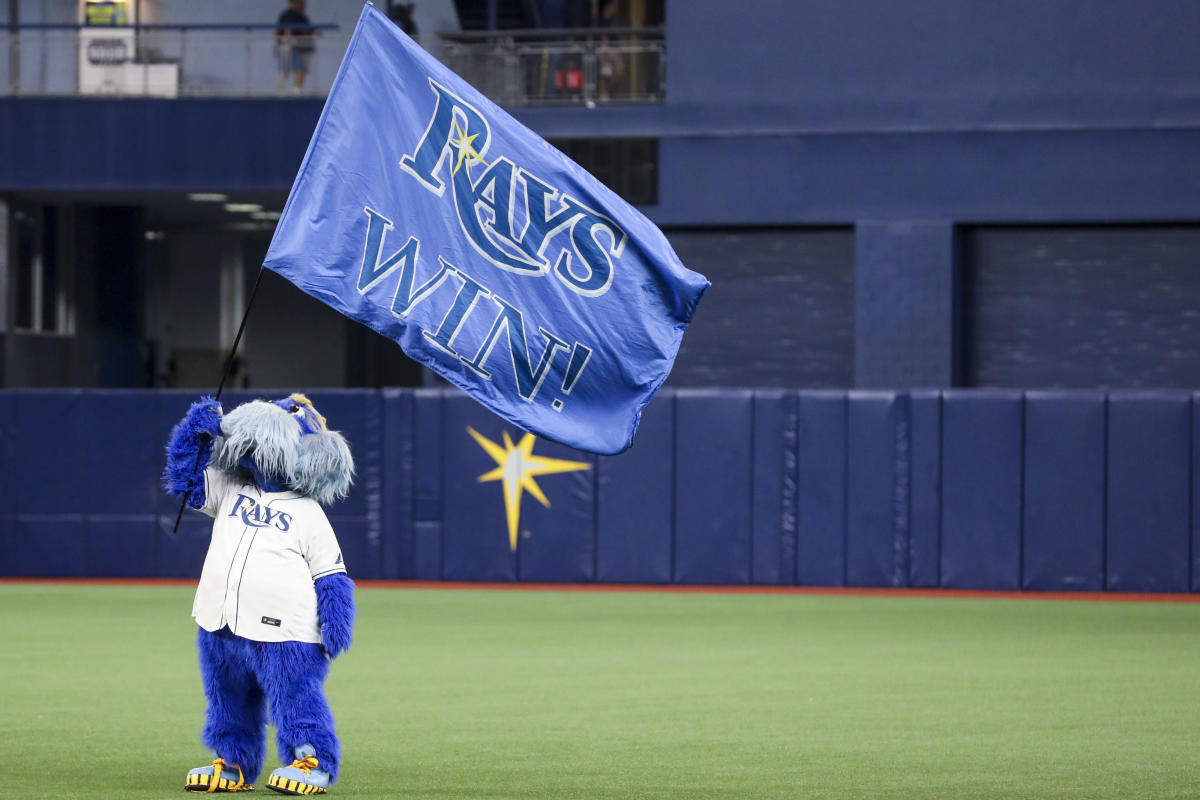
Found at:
(189, 450)
(336, 610)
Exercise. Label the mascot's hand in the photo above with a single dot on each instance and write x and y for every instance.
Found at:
(189, 450)
(205, 416)
(335, 610)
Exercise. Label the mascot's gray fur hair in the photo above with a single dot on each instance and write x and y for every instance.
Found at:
(309, 459)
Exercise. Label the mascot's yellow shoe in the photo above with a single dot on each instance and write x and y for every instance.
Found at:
(302, 777)
(217, 778)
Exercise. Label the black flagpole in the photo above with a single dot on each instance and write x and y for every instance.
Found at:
(221, 386)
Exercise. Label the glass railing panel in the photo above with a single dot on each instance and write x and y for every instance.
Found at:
(516, 68)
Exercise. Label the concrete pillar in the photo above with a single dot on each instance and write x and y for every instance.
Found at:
(906, 331)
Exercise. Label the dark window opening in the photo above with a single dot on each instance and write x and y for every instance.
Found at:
(50, 286)
(38, 270)
(25, 268)
(1081, 306)
(627, 166)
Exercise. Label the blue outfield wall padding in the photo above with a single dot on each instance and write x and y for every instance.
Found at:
(47, 546)
(1195, 492)
(925, 488)
(902, 498)
(426, 551)
(359, 553)
(876, 514)
(558, 542)
(8, 468)
(428, 457)
(370, 481)
(393, 505)
(475, 536)
(789, 492)
(821, 419)
(122, 439)
(1063, 529)
(712, 486)
(50, 422)
(123, 546)
(767, 510)
(1149, 491)
(634, 491)
(181, 555)
(981, 489)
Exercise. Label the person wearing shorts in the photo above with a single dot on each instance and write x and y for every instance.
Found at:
(294, 45)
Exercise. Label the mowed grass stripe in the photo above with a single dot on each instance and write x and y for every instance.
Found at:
(496, 694)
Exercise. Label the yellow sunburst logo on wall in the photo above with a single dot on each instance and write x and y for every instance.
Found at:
(516, 467)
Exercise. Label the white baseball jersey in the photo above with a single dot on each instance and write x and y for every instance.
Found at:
(267, 548)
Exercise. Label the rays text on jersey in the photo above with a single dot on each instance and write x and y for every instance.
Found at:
(257, 515)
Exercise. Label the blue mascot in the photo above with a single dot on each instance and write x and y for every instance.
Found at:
(274, 603)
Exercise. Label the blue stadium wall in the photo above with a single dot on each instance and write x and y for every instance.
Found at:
(886, 195)
(960, 489)
(927, 133)
(783, 113)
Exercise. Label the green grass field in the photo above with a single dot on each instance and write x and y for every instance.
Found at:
(504, 694)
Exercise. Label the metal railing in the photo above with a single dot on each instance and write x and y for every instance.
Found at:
(513, 68)
(163, 60)
(562, 66)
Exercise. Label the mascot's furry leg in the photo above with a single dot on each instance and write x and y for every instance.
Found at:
(242, 678)
(293, 675)
(235, 722)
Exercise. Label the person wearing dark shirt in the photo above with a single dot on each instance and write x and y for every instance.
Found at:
(402, 15)
(294, 45)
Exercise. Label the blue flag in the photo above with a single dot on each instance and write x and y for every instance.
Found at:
(427, 213)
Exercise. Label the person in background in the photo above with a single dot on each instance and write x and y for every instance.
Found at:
(610, 63)
(402, 15)
(294, 45)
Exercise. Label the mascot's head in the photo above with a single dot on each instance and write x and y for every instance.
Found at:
(284, 445)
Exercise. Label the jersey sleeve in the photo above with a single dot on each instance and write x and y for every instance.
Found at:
(321, 548)
(216, 486)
